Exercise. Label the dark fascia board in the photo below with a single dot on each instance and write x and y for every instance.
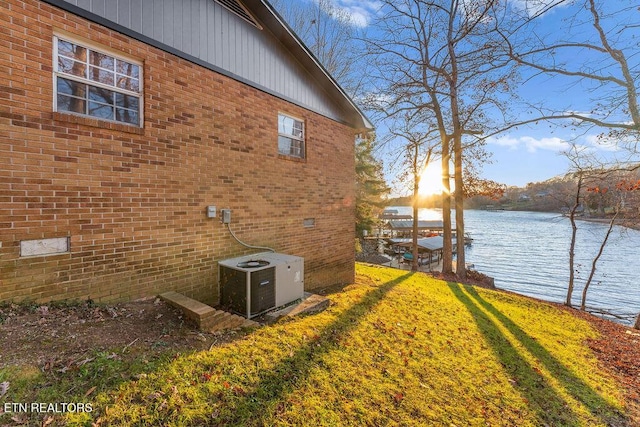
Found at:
(265, 13)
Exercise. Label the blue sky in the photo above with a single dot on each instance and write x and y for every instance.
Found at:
(531, 153)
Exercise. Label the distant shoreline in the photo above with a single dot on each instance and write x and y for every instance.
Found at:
(633, 226)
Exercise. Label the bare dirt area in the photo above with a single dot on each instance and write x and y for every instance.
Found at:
(57, 335)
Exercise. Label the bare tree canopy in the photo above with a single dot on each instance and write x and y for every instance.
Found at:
(332, 36)
(595, 50)
(443, 60)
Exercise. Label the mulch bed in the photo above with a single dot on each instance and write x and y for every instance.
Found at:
(54, 334)
(618, 350)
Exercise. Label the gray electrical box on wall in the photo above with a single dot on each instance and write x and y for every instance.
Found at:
(211, 211)
(225, 216)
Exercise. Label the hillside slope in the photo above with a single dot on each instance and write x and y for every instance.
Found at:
(394, 348)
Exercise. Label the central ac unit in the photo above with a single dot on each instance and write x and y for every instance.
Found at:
(253, 284)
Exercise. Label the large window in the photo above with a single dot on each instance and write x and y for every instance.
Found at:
(97, 84)
(290, 136)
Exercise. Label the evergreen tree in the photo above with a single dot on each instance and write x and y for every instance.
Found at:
(371, 188)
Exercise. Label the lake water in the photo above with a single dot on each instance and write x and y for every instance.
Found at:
(528, 253)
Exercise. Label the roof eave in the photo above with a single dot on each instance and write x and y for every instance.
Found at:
(276, 24)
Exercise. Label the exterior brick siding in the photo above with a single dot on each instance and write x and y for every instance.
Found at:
(133, 200)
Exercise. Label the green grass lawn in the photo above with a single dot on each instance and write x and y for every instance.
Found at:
(394, 348)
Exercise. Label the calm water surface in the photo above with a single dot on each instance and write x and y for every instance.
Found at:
(528, 253)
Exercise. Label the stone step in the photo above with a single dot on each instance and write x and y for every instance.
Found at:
(213, 320)
(194, 310)
(232, 321)
(221, 322)
(206, 317)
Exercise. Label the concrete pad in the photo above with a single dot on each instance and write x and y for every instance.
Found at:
(313, 304)
(310, 303)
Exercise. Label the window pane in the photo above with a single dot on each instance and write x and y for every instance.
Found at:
(297, 148)
(74, 105)
(127, 83)
(290, 147)
(290, 126)
(104, 96)
(69, 66)
(100, 110)
(127, 101)
(128, 69)
(101, 60)
(70, 87)
(285, 125)
(284, 145)
(101, 76)
(71, 50)
(127, 116)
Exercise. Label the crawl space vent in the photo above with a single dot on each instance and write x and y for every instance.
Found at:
(237, 8)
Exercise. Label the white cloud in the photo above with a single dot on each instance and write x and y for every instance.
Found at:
(506, 141)
(360, 11)
(550, 144)
(531, 144)
(602, 142)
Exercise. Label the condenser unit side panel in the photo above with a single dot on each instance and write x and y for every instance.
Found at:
(289, 281)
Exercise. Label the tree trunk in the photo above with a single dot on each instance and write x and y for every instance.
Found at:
(637, 325)
(595, 261)
(572, 247)
(414, 236)
(461, 268)
(447, 249)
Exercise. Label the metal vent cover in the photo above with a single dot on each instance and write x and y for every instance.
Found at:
(236, 7)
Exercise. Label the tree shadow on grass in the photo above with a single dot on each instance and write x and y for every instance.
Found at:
(549, 406)
(276, 383)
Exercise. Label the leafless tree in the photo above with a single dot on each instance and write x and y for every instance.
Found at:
(420, 148)
(443, 58)
(591, 177)
(596, 49)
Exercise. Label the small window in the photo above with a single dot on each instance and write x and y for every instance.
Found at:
(291, 136)
(96, 84)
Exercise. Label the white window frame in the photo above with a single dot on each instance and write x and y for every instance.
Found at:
(91, 47)
(293, 139)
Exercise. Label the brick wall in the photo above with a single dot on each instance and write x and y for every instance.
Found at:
(133, 201)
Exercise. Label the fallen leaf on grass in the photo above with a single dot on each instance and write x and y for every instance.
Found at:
(398, 398)
(91, 390)
(85, 361)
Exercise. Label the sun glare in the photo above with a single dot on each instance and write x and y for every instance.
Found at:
(431, 180)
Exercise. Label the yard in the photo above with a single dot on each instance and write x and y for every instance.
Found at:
(394, 348)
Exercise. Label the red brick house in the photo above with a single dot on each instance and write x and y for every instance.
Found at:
(122, 121)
